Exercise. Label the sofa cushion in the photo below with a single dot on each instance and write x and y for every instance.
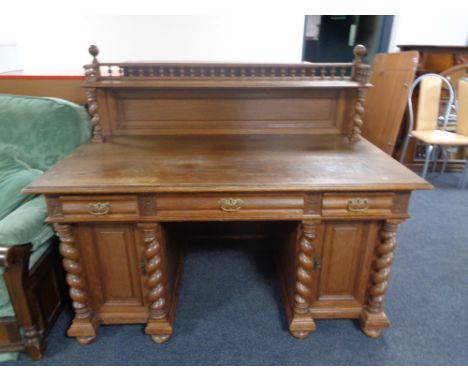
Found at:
(14, 175)
(26, 225)
(42, 130)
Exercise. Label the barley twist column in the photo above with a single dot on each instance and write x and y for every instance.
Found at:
(84, 323)
(360, 73)
(302, 322)
(93, 112)
(155, 269)
(358, 115)
(374, 318)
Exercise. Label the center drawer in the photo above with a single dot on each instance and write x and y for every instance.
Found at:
(229, 206)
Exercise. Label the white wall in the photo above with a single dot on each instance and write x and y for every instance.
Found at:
(429, 30)
(62, 42)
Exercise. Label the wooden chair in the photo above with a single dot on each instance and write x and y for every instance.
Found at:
(455, 74)
(462, 119)
(426, 128)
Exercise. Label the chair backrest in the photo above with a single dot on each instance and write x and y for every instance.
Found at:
(455, 74)
(429, 102)
(462, 107)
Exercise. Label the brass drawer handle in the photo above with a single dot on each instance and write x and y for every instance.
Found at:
(357, 205)
(99, 209)
(230, 205)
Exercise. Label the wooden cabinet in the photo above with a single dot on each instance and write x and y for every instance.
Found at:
(437, 58)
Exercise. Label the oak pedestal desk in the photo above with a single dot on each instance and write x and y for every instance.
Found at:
(176, 143)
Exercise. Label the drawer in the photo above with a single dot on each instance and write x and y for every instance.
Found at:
(356, 205)
(232, 206)
(112, 207)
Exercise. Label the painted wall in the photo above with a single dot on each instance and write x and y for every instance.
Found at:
(61, 43)
(429, 30)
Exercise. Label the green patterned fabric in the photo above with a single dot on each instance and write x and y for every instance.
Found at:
(4, 357)
(26, 225)
(42, 131)
(14, 175)
(35, 133)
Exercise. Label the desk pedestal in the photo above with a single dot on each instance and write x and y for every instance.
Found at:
(123, 256)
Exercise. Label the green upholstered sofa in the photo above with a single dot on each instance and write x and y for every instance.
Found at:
(35, 133)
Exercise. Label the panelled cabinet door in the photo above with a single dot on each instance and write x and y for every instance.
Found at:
(346, 258)
(113, 261)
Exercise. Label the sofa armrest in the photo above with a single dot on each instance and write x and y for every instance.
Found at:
(5, 257)
(13, 256)
(15, 261)
(26, 225)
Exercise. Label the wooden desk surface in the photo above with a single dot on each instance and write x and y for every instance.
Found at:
(226, 163)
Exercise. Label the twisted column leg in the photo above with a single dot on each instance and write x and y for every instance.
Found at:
(158, 325)
(95, 119)
(373, 318)
(84, 323)
(302, 322)
(355, 134)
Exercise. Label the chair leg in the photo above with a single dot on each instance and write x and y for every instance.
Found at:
(445, 160)
(463, 176)
(404, 149)
(435, 154)
(429, 149)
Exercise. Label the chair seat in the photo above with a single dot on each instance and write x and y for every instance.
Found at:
(440, 137)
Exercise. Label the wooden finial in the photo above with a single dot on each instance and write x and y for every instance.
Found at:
(360, 71)
(359, 52)
(93, 51)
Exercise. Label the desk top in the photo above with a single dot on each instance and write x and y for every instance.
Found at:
(226, 163)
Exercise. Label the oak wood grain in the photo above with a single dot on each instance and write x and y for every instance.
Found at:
(226, 163)
(276, 146)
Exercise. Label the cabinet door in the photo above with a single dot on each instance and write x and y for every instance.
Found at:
(345, 265)
(112, 256)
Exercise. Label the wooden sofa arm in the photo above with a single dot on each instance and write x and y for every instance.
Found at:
(15, 261)
(15, 256)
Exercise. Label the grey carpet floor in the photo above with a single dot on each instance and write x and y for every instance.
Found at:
(230, 313)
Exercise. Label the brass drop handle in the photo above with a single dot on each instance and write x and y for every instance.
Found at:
(99, 209)
(357, 205)
(230, 204)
